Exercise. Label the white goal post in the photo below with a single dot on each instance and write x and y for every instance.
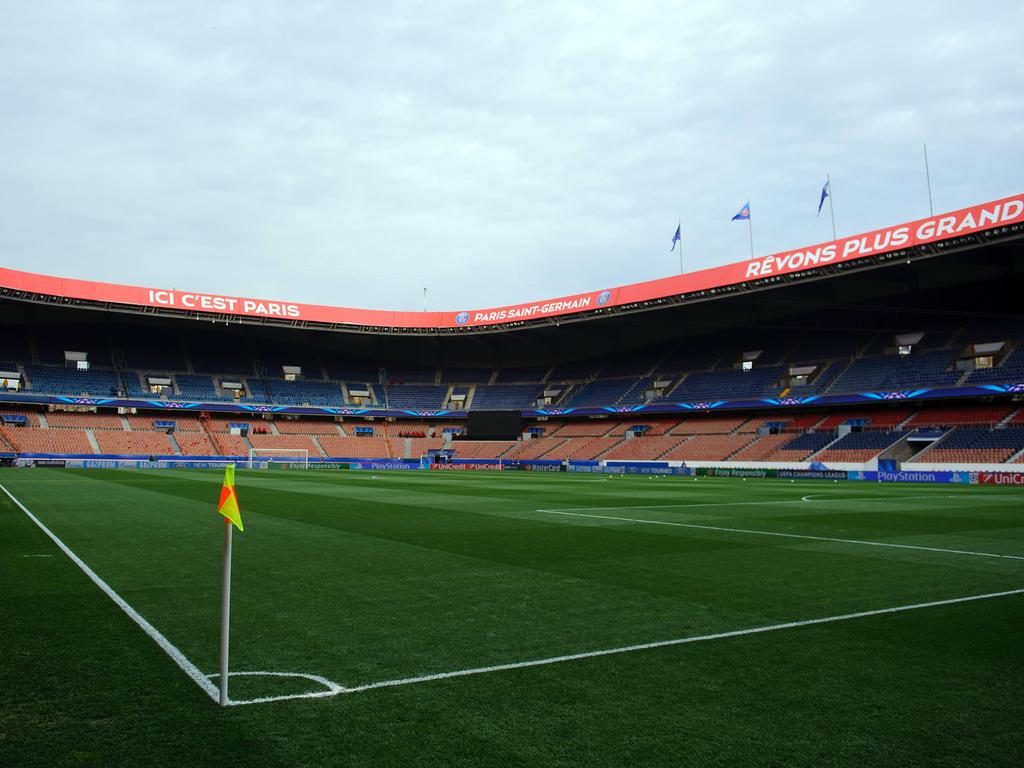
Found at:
(260, 456)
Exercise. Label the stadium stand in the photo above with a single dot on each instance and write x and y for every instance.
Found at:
(959, 415)
(867, 418)
(536, 448)
(706, 425)
(860, 446)
(356, 447)
(898, 372)
(967, 445)
(522, 375)
(1010, 369)
(718, 385)
(482, 449)
(68, 381)
(133, 443)
(589, 428)
(301, 392)
(708, 447)
(643, 448)
(506, 396)
(59, 441)
(196, 388)
(414, 397)
(306, 427)
(84, 420)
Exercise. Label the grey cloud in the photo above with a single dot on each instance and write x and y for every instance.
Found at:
(494, 152)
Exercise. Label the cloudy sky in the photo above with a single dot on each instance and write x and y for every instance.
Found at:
(493, 152)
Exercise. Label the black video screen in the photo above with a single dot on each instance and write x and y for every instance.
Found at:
(494, 425)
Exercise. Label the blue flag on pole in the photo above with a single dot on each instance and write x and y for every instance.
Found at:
(677, 237)
(744, 212)
(824, 193)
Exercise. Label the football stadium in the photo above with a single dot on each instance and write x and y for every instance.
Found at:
(762, 513)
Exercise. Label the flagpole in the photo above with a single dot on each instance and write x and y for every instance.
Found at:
(830, 208)
(750, 226)
(225, 614)
(679, 228)
(928, 178)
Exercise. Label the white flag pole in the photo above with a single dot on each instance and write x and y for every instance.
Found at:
(928, 179)
(225, 614)
(679, 229)
(831, 210)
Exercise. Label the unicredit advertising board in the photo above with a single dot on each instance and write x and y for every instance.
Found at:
(978, 218)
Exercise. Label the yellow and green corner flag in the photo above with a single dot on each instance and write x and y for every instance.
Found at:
(228, 506)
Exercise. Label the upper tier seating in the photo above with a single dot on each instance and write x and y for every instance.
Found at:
(1011, 369)
(303, 392)
(465, 375)
(394, 374)
(899, 372)
(759, 382)
(417, 398)
(506, 396)
(55, 380)
(575, 370)
(198, 388)
(600, 392)
(523, 375)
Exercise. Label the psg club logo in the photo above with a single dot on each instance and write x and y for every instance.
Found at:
(462, 318)
(603, 297)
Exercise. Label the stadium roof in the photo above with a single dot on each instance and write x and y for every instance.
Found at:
(904, 243)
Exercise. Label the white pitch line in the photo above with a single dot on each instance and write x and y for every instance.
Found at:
(166, 645)
(723, 529)
(678, 641)
(332, 688)
(802, 499)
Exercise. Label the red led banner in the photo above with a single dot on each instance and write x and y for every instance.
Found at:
(1009, 210)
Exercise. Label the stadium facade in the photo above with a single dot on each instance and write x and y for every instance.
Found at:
(903, 346)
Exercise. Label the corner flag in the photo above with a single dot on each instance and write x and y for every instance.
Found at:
(228, 505)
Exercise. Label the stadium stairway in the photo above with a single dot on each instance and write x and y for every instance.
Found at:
(1010, 417)
(5, 444)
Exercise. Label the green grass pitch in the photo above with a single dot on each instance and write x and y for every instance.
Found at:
(364, 579)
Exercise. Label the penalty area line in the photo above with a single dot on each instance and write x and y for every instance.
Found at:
(166, 645)
(753, 532)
